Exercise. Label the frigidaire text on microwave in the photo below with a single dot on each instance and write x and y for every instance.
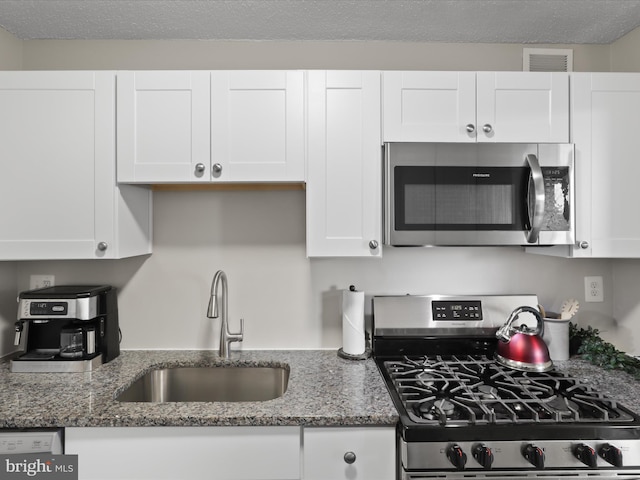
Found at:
(478, 194)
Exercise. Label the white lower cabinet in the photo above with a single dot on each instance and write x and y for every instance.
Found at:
(180, 453)
(349, 453)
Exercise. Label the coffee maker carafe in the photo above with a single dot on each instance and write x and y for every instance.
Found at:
(66, 328)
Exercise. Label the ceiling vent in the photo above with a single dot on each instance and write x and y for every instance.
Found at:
(547, 60)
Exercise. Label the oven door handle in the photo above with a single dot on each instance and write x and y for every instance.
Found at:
(535, 198)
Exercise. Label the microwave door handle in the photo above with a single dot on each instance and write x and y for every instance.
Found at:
(535, 198)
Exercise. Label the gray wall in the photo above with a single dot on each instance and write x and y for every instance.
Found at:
(287, 300)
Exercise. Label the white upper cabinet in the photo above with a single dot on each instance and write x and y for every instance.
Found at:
(606, 121)
(257, 130)
(163, 126)
(57, 180)
(344, 185)
(476, 107)
(200, 126)
(428, 106)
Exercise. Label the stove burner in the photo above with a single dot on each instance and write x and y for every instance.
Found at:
(486, 392)
(439, 410)
(468, 390)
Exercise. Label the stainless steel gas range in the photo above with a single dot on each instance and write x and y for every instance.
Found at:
(463, 415)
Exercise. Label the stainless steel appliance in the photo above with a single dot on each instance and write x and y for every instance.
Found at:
(478, 194)
(464, 415)
(66, 328)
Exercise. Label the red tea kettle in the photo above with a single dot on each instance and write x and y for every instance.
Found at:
(522, 348)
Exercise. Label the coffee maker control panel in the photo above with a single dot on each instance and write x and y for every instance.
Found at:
(78, 309)
(46, 308)
(60, 302)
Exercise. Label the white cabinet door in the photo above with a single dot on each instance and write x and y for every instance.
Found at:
(530, 107)
(606, 119)
(344, 185)
(349, 453)
(57, 181)
(179, 453)
(429, 106)
(163, 126)
(257, 131)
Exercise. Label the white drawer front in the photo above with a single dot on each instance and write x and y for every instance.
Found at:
(325, 449)
(178, 453)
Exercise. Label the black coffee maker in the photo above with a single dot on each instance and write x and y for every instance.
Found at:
(66, 328)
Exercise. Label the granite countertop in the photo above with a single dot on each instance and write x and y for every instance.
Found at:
(323, 390)
(615, 384)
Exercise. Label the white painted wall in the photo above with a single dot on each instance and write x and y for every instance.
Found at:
(190, 54)
(10, 51)
(258, 237)
(10, 59)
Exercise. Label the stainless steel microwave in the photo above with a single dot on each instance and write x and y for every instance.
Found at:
(478, 194)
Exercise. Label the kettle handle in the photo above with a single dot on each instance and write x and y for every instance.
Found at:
(505, 332)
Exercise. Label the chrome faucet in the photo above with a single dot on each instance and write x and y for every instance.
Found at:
(226, 337)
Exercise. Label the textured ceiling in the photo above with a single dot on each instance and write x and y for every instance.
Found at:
(480, 21)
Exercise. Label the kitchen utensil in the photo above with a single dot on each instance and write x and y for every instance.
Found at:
(522, 348)
(569, 309)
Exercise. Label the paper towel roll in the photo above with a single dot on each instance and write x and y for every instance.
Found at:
(353, 342)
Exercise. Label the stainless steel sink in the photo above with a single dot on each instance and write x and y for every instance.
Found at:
(209, 384)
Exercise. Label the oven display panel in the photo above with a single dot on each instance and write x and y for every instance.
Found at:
(448, 310)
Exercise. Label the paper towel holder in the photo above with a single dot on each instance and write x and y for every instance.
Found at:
(348, 356)
(353, 321)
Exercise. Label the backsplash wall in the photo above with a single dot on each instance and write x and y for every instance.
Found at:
(258, 238)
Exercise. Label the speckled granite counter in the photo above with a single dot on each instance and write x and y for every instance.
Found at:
(615, 384)
(323, 390)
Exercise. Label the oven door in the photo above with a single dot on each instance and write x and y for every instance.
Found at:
(461, 194)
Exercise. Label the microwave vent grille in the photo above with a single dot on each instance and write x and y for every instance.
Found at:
(547, 60)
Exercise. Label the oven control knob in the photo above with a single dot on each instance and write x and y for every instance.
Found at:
(456, 456)
(534, 455)
(611, 454)
(586, 455)
(483, 455)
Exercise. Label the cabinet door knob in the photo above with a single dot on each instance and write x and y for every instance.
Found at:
(102, 246)
(583, 245)
(350, 458)
(217, 168)
(373, 244)
(200, 168)
(471, 127)
(487, 128)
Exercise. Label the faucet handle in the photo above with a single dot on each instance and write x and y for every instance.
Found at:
(238, 337)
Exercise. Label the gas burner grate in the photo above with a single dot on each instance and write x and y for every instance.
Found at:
(470, 390)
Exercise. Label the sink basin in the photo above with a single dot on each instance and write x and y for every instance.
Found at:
(208, 384)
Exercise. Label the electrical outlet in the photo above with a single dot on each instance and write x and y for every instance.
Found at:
(41, 281)
(593, 289)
